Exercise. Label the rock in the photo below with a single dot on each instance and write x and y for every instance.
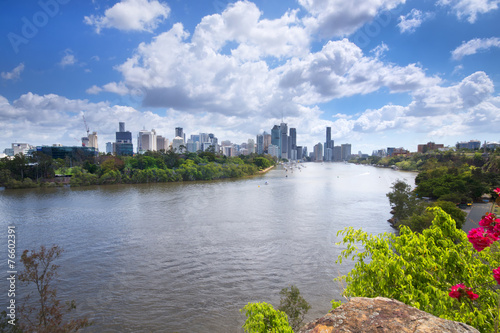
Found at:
(362, 315)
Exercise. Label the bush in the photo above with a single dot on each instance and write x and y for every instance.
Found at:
(419, 270)
(263, 318)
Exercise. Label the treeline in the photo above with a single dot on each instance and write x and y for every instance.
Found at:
(434, 158)
(41, 170)
(459, 177)
(444, 180)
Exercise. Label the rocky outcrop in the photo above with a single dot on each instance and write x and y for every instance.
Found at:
(364, 315)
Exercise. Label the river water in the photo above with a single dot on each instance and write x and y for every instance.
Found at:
(185, 257)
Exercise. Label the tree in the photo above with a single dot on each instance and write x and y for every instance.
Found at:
(263, 318)
(402, 200)
(294, 305)
(47, 315)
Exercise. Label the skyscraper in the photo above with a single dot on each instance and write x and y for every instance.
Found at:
(284, 140)
(275, 138)
(179, 132)
(292, 145)
(329, 144)
(124, 145)
(260, 144)
(346, 151)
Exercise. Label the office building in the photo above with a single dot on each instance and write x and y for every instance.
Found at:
(318, 152)
(267, 141)
(123, 144)
(161, 143)
(284, 140)
(292, 144)
(329, 144)
(346, 151)
(178, 144)
(337, 153)
(146, 141)
(260, 144)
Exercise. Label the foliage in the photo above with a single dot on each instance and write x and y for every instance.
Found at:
(263, 318)
(410, 211)
(294, 305)
(24, 171)
(402, 200)
(47, 315)
(420, 268)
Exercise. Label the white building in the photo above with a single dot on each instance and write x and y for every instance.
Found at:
(177, 143)
(146, 140)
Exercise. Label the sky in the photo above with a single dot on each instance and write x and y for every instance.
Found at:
(380, 73)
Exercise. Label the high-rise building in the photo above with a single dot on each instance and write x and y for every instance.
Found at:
(329, 144)
(346, 151)
(93, 140)
(177, 142)
(161, 143)
(109, 147)
(275, 137)
(123, 144)
(260, 143)
(273, 150)
(292, 144)
(337, 153)
(179, 132)
(318, 152)
(284, 140)
(146, 141)
(267, 141)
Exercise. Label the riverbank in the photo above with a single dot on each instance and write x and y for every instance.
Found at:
(267, 169)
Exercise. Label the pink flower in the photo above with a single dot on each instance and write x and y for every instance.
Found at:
(459, 290)
(496, 274)
(481, 239)
(455, 290)
(471, 295)
(487, 220)
(497, 190)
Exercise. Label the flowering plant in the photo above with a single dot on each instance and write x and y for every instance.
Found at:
(481, 238)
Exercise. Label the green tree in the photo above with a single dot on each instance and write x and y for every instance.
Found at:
(47, 315)
(403, 201)
(263, 318)
(294, 305)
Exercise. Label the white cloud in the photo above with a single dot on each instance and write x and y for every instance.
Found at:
(255, 37)
(380, 50)
(131, 15)
(411, 21)
(14, 74)
(470, 8)
(473, 46)
(117, 88)
(68, 59)
(94, 90)
(337, 18)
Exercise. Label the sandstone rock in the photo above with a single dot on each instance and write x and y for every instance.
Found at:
(365, 315)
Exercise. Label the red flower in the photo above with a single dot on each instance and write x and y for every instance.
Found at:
(455, 290)
(497, 190)
(459, 290)
(471, 295)
(496, 274)
(487, 220)
(481, 239)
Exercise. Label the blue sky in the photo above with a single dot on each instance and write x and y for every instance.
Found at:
(379, 72)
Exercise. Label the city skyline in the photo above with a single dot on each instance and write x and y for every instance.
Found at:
(390, 73)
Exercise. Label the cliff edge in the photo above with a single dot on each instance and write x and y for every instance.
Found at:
(381, 314)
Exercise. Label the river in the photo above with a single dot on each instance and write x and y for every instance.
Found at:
(185, 257)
